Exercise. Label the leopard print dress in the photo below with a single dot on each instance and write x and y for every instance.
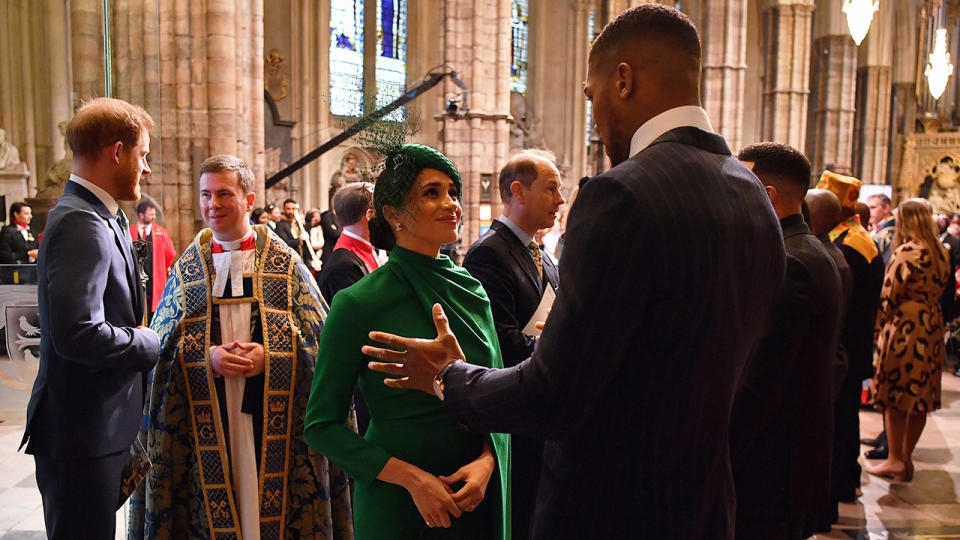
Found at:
(910, 349)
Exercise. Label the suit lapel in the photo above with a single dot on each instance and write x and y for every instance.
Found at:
(520, 253)
(125, 247)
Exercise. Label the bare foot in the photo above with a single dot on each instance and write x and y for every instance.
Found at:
(890, 469)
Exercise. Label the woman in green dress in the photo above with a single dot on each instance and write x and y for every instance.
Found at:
(417, 474)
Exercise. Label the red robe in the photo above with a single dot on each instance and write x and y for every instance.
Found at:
(163, 256)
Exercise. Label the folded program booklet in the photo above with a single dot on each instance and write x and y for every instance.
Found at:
(549, 295)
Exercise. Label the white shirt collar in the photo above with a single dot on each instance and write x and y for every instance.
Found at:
(146, 229)
(355, 237)
(234, 245)
(689, 115)
(104, 197)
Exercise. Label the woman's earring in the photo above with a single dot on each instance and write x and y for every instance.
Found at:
(399, 227)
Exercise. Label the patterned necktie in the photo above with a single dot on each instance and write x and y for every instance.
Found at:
(537, 256)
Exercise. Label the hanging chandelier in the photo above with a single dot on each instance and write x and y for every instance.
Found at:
(859, 16)
(939, 68)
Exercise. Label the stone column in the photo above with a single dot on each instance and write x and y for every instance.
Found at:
(86, 47)
(787, 25)
(723, 29)
(554, 96)
(210, 60)
(477, 35)
(874, 84)
(833, 97)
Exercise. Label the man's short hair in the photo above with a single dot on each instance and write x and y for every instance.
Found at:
(16, 207)
(226, 162)
(780, 163)
(649, 23)
(523, 167)
(352, 201)
(884, 200)
(103, 121)
(144, 206)
(289, 201)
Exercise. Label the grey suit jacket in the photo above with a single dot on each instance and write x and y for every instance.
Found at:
(672, 261)
(87, 400)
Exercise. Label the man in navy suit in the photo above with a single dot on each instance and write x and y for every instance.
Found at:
(673, 258)
(87, 401)
(507, 261)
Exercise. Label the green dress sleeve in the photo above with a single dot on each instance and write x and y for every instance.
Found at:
(339, 363)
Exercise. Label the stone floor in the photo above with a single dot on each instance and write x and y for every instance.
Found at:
(926, 508)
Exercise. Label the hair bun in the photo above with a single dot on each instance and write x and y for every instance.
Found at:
(381, 234)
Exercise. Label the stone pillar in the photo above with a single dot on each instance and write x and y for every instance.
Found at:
(723, 29)
(477, 36)
(874, 84)
(210, 99)
(34, 91)
(554, 97)
(787, 25)
(86, 47)
(833, 97)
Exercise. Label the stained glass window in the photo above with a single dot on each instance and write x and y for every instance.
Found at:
(391, 53)
(346, 57)
(520, 39)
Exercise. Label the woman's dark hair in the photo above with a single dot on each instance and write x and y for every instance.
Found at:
(255, 215)
(400, 170)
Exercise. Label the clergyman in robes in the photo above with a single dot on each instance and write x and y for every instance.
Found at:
(223, 424)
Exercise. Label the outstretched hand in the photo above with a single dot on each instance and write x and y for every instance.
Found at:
(417, 361)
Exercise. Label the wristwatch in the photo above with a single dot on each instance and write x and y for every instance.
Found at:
(438, 380)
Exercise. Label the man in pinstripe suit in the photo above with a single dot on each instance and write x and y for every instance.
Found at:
(672, 260)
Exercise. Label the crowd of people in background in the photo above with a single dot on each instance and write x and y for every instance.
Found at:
(713, 325)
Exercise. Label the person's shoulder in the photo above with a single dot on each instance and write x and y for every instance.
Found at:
(490, 244)
(378, 288)
(341, 259)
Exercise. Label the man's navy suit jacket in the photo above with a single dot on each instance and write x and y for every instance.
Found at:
(672, 262)
(505, 268)
(87, 400)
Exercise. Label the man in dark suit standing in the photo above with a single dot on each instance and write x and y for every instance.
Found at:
(86, 405)
(353, 256)
(18, 243)
(507, 261)
(781, 425)
(672, 263)
(866, 267)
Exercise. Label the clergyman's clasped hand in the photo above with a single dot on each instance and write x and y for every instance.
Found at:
(416, 361)
(237, 359)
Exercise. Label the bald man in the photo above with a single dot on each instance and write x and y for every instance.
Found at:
(672, 263)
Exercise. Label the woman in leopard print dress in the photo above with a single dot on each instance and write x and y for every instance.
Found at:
(910, 349)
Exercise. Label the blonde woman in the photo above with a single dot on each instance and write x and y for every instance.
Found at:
(910, 350)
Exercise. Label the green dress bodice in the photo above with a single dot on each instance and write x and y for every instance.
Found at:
(406, 424)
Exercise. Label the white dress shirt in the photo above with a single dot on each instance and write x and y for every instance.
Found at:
(686, 116)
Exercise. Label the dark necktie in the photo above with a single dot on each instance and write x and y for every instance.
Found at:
(122, 220)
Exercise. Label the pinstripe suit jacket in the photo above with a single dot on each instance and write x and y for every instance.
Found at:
(673, 260)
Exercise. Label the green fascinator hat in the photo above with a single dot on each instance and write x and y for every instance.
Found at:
(401, 166)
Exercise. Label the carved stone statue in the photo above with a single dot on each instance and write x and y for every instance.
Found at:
(524, 132)
(276, 75)
(9, 156)
(59, 173)
(944, 186)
